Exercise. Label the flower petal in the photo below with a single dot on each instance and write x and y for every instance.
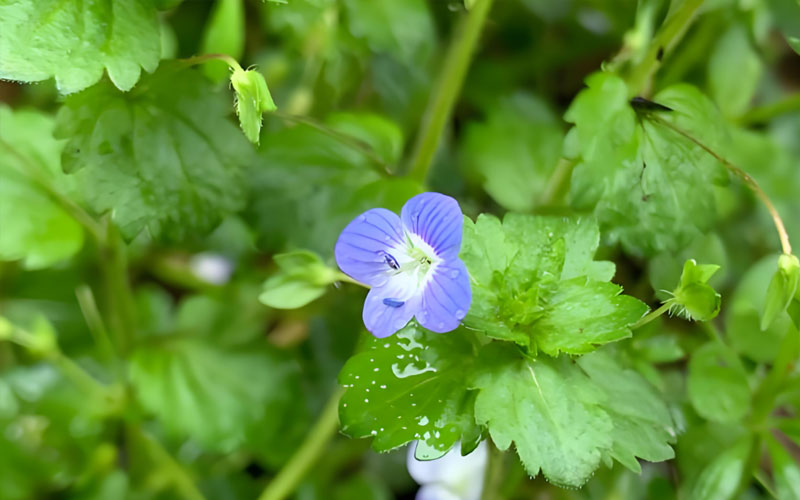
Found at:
(390, 307)
(362, 247)
(437, 219)
(446, 297)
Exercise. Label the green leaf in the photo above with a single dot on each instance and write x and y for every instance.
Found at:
(41, 40)
(650, 187)
(402, 28)
(211, 394)
(223, 34)
(694, 298)
(410, 386)
(717, 384)
(302, 278)
(782, 289)
(548, 409)
(35, 228)
(514, 151)
(643, 425)
(734, 71)
(252, 100)
(534, 282)
(721, 478)
(162, 157)
(785, 470)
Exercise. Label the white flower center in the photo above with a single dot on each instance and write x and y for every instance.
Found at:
(411, 267)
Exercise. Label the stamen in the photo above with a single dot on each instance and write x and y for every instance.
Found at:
(393, 302)
(391, 261)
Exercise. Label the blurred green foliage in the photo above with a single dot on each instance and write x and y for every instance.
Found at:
(172, 323)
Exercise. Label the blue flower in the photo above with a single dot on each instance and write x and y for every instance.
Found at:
(411, 264)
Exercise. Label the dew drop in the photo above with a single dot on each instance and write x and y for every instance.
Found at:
(454, 273)
(362, 218)
(423, 421)
(460, 314)
(441, 324)
(374, 433)
(366, 400)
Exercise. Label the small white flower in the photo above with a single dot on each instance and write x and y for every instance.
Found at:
(451, 477)
(211, 267)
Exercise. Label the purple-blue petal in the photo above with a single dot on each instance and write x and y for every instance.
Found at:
(437, 219)
(382, 315)
(361, 248)
(446, 297)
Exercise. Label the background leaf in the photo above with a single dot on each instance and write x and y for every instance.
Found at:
(39, 41)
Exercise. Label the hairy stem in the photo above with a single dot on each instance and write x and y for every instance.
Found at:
(647, 318)
(744, 176)
(313, 446)
(448, 87)
(668, 35)
(195, 60)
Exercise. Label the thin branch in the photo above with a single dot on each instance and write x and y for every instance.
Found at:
(744, 176)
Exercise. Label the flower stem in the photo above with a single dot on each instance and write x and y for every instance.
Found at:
(195, 60)
(313, 446)
(744, 176)
(651, 316)
(444, 95)
(346, 139)
(668, 35)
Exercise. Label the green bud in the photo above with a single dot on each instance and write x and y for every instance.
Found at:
(302, 278)
(694, 298)
(252, 100)
(782, 289)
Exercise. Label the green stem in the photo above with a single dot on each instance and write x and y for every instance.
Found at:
(195, 60)
(313, 446)
(768, 390)
(166, 464)
(495, 472)
(444, 95)
(651, 316)
(118, 289)
(96, 325)
(37, 174)
(558, 183)
(769, 111)
(668, 35)
(346, 139)
(340, 276)
(744, 176)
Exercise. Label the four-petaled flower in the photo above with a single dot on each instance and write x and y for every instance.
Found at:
(411, 264)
